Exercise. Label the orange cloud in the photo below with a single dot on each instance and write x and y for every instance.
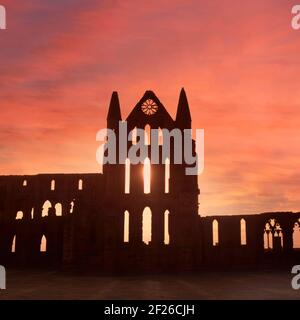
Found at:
(60, 61)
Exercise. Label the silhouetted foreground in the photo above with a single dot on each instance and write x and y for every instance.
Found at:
(91, 221)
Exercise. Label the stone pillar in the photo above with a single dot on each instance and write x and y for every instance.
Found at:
(68, 241)
(287, 231)
(66, 207)
(136, 179)
(135, 226)
(157, 226)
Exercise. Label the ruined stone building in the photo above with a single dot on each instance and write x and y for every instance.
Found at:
(116, 221)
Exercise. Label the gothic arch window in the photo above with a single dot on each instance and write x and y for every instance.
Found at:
(19, 215)
(268, 239)
(147, 133)
(25, 183)
(32, 213)
(80, 184)
(127, 176)
(147, 176)
(72, 206)
(278, 235)
(160, 137)
(273, 236)
(13, 245)
(166, 229)
(126, 226)
(134, 136)
(47, 205)
(58, 209)
(167, 175)
(52, 185)
(296, 235)
(43, 245)
(243, 232)
(147, 225)
(215, 232)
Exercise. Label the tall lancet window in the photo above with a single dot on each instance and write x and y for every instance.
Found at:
(147, 176)
(147, 225)
(166, 231)
(126, 226)
(296, 235)
(243, 232)
(215, 231)
(13, 245)
(127, 176)
(134, 136)
(167, 175)
(147, 133)
(43, 244)
(160, 137)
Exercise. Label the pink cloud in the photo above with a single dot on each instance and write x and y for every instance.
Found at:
(237, 60)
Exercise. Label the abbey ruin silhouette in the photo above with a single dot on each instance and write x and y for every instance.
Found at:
(121, 221)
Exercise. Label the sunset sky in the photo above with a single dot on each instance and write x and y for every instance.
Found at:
(238, 60)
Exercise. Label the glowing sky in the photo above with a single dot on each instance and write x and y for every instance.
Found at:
(238, 61)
